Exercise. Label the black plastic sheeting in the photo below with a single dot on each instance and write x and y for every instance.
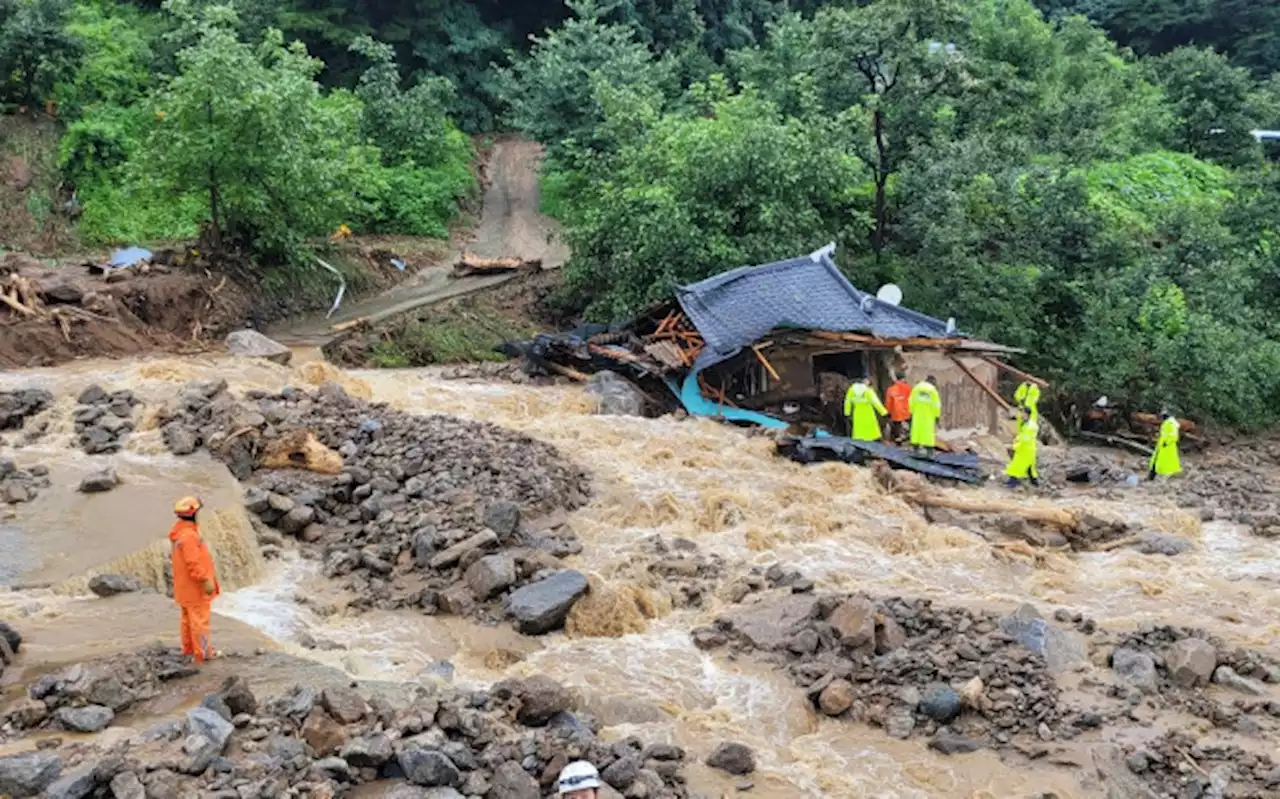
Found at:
(962, 467)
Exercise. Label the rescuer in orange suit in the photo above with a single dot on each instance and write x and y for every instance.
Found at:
(898, 401)
(194, 582)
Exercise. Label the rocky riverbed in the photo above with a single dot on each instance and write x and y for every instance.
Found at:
(507, 741)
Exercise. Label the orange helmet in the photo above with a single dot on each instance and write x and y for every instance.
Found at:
(186, 507)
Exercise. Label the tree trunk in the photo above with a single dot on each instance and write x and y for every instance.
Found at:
(213, 188)
(882, 179)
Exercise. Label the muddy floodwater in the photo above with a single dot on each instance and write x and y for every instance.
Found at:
(717, 486)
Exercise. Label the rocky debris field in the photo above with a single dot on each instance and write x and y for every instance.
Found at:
(104, 420)
(1021, 684)
(18, 406)
(433, 513)
(507, 742)
(21, 485)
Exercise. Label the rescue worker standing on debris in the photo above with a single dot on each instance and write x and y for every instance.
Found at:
(1028, 396)
(1165, 461)
(862, 405)
(1022, 466)
(898, 400)
(926, 408)
(194, 582)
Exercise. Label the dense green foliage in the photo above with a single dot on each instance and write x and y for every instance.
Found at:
(1076, 177)
(1112, 215)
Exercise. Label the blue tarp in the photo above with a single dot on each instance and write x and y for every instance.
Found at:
(128, 257)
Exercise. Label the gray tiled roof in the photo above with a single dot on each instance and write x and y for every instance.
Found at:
(736, 308)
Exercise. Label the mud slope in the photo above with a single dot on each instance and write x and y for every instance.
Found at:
(510, 224)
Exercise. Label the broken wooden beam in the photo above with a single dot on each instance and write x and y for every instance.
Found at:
(991, 392)
(1018, 373)
(567, 371)
(1118, 441)
(472, 264)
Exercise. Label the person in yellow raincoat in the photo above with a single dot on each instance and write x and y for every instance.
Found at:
(1165, 460)
(926, 407)
(862, 405)
(1028, 396)
(1022, 466)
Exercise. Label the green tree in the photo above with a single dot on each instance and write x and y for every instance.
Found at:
(551, 93)
(407, 125)
(691, 194)
(36, 49)
(248, 129)
(1213, 102)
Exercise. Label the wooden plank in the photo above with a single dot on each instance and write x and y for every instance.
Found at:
(765, 363)
(991, 392)
(1027, 376)
(567, 371)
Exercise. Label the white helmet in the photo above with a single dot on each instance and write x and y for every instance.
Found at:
(578, 776)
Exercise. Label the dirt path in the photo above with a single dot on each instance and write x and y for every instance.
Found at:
(510, 225)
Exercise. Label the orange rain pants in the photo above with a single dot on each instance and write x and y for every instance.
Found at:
(196, 639)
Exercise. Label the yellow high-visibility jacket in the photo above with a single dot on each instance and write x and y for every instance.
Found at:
(1165, 459)
(926, 408)
(1023, 463)
(862, 405)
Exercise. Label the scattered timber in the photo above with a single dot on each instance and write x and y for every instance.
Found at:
(472, 264)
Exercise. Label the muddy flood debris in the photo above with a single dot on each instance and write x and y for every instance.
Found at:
(507, 741)
(430, 513)
(1023, 685)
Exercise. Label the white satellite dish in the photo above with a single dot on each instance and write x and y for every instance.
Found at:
(889, 294)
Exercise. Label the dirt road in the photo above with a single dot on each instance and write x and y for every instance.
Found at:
(510, 225)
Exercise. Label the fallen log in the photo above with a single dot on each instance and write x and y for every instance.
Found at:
(1117, 441)
(472, 264)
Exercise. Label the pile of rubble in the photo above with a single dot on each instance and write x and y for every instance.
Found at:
(103, 421)
(21, 485)
(1176, 765)
(912, 668)
(17, 406)
(429, 512)
(85, 698)
(509, 741)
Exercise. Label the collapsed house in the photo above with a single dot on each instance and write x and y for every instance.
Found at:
(778, 345)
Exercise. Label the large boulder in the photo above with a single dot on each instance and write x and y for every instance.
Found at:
(510, 781)
(252, 344)
(99, 481)
(734, 758)
(615, 395)
(490, 575)
(90, 718)
(105, 585)
(1061, 649)
(1191, 662)
(346, 705)
(207, 723)
(1136, 668)
(541, 698)
(28, 774)
(769, 625)
(429, 767)
(543, 606)
(854, 621)
(12, 638)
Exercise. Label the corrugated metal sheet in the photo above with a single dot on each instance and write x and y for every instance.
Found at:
(736, 308)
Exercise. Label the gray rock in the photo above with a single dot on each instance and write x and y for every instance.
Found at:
(949, 742)
(622, 772)
(218, 705)
(99, 481)
(899, 723)
(235, 691)
(92, 395)
(180, 439)
(542, 606)
(105, 585)
(205, 722)
(1062, 650)
(836, 698)
(368, 751)
(335, 766)
(1228, 678)
(510, 781)
(1153, 543)
(490, 575)
(733, 758)
(1190, 662)
(940, 702)
(615, 395)
(11, 637)
(126, 785)
(1136, 668)
(541, 698)
(28, 774)
(503, 518)
(75, 784)
(252, 344)
(429, 767)
(90, 718)
(425, 545)
(256, 500)
(770, 625)
(285, 748)
(346, 705)
(854, 621)
(200, 752)
(296, 520)
(453, 554)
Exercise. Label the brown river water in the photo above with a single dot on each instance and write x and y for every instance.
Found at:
(717, 486)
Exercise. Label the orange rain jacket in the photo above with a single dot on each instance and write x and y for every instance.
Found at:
(898, 400)
(192, 565)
